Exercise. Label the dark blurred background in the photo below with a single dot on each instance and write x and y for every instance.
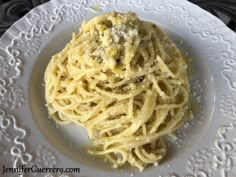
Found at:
(12, 10)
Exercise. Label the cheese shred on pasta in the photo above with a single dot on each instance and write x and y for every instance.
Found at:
(123, 80)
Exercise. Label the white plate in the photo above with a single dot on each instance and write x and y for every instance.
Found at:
(206, 145)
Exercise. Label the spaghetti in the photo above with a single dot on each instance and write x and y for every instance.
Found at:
(123, 80)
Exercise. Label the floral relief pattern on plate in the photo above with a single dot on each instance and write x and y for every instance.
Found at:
(12, 141)
(221, 157)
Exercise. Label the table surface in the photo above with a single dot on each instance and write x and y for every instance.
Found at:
(12, 10)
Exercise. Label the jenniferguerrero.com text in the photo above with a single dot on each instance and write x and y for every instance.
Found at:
(34, 169)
